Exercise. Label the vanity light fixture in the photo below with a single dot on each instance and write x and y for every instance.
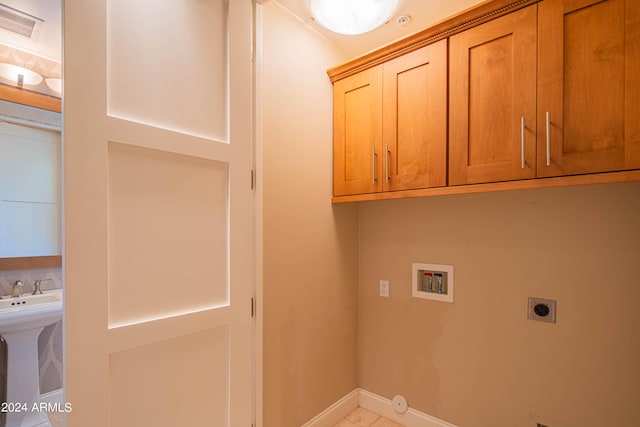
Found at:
(19, 76)
(352, 16)
(54, 84)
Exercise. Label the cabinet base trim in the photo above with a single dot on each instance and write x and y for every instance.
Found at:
(565, 181)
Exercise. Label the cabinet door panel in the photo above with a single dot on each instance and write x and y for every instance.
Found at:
(357, 156)
(588, 83)
(493, 86)
(415, 119)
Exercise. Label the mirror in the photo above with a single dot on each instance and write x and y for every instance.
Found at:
(29, 188)
(30, 127)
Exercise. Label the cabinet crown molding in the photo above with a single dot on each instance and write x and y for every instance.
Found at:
(462, 21)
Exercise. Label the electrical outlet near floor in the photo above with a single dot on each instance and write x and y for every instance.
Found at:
(384, 288)
(542, 310)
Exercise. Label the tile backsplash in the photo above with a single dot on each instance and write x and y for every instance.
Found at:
(28, 278)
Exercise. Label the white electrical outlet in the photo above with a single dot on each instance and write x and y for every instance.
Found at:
(384, 288)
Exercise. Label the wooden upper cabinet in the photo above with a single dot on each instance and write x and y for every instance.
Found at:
(357, 127)
(415, 119)
(390, 125)
(589, 85)
(492, 134)
(508, 94)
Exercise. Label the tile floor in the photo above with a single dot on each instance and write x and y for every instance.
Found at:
(56, 419)
(360, 417)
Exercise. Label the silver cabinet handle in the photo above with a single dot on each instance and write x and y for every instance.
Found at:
(373, 165)
(522, 127)
(548, 139)
(386, 159)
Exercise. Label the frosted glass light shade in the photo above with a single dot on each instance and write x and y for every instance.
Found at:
(54, 84)
(11, 72)
(352, 16)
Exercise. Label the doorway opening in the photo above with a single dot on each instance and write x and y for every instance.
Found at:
(31, 204)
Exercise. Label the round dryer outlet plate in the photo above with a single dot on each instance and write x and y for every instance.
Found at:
(399, 404)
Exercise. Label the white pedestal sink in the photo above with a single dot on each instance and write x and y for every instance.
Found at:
(21, 321)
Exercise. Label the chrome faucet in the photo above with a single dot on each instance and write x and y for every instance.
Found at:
(16, 290)
(37, 284)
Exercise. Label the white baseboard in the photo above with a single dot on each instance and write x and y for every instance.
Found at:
(334, 413)
(53, 397)
(411, 418)
(378, 404)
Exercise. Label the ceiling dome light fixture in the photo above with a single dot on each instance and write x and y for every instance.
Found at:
(352, 16)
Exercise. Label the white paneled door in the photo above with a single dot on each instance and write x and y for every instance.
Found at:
(158, 213)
